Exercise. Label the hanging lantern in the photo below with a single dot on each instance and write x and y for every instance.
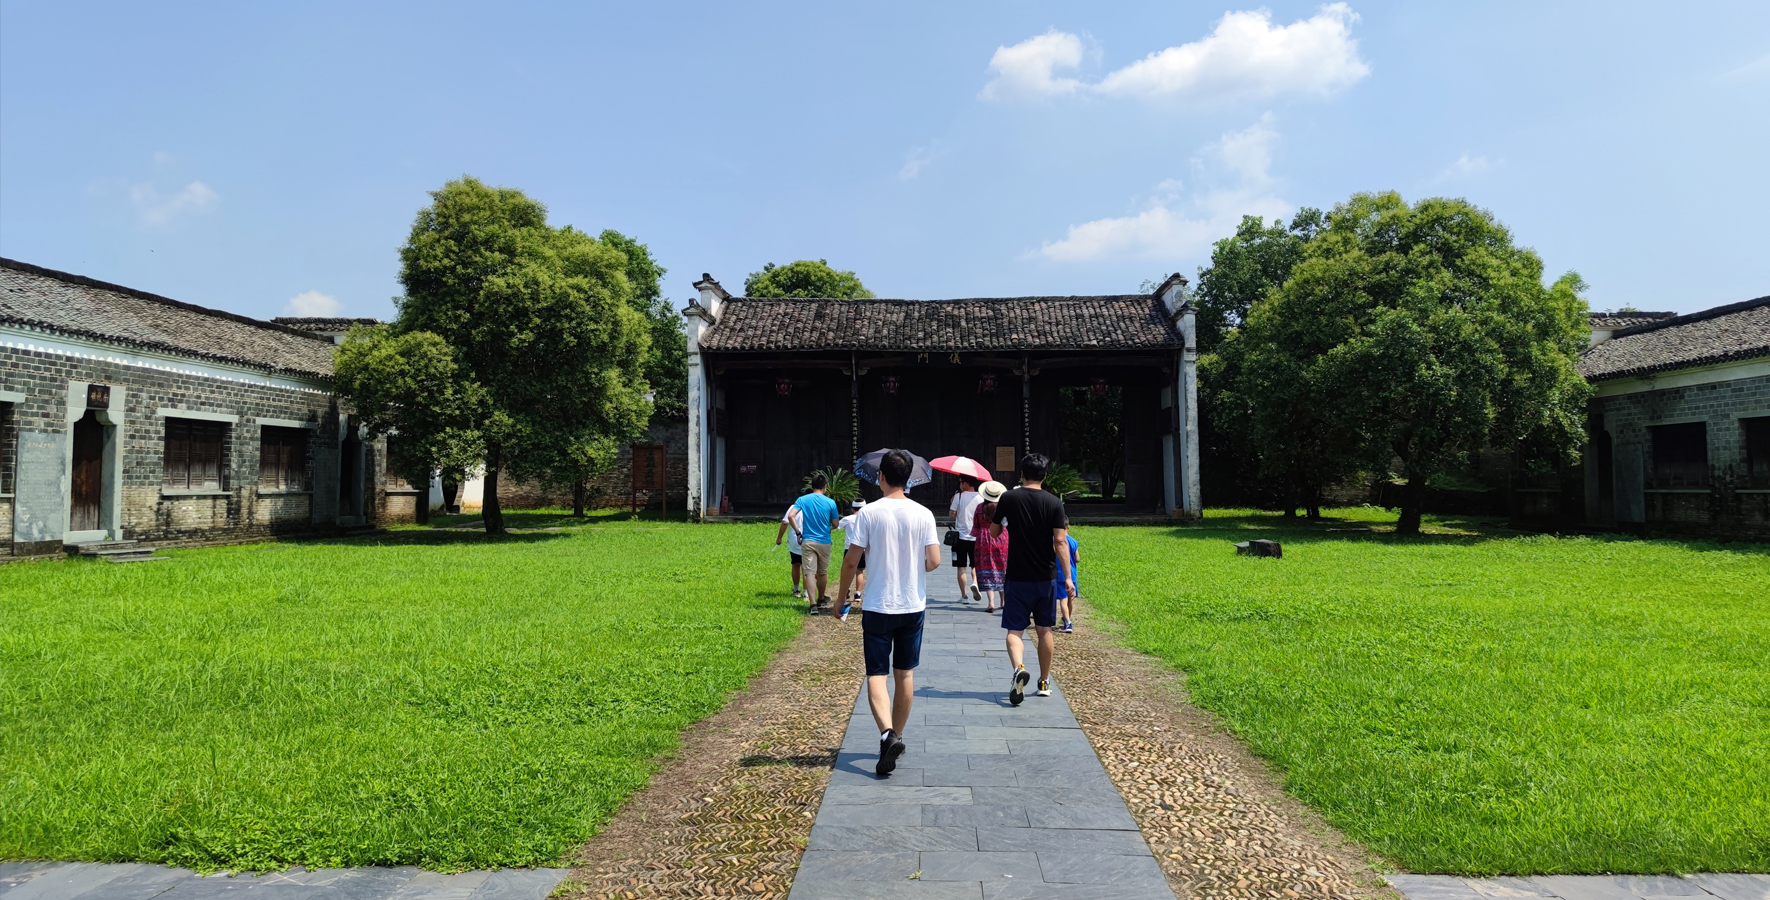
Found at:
(889, 383)
(1098, 387)
(783, 387)
(986, 384)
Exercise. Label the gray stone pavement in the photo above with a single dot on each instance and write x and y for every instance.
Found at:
(136, 881)
(989, 801)
(1584, 887)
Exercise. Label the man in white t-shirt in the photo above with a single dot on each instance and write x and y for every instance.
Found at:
(901, 545)
(792, 531)
(962, 508)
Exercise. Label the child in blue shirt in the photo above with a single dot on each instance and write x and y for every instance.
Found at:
(1064, 607)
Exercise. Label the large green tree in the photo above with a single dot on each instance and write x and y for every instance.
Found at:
(410, 387)
(541, 319)
(806, 279)
(1245, 268)
(666, 368)
(1417, 332)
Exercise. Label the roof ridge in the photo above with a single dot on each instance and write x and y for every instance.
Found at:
(1687, 318)
(70, 277)
(942, 299)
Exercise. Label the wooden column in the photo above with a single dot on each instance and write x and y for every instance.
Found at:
(1025, 404)
(854, 405)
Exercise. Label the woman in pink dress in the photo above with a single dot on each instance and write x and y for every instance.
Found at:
(992, 552)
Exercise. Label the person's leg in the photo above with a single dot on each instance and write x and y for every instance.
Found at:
(798, 567)
(906, 692)
(879, 698)
(1047, 648)
(1015, 651)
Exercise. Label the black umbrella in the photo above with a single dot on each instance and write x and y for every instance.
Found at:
(868, 467)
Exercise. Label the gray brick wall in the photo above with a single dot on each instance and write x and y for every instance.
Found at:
(237, 511)
(1729, 507)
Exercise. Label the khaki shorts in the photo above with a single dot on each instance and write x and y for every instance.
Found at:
(817, 558)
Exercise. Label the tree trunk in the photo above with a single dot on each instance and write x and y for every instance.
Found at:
(1312, 497)
(450, 488)
(490, 511)
(578, 498)
(1413, 497)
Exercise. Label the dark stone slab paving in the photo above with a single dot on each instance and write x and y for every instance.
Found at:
(989, 802)
(134, 881)
(1585, 887)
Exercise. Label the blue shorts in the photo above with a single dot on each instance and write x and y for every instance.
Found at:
(1025, 601)
(892, 640)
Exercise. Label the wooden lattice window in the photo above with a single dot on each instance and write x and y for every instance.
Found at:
(1680, 455)
(1757, 450)
(193, 454)
(282, 459)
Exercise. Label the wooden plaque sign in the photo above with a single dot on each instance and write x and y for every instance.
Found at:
(1005, 459)
(98, 396)
(650, 474)
(648, 467)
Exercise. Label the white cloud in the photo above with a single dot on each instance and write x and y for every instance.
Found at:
(1024, 71)
(155, 209)
(1176, 226)
(313, 304)
(1244, 57)
(919, 159)
(1751, 71)
(1468, 166)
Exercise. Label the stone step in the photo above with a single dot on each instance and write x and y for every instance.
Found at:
(135, 559)
(98, 546)
(121, 553)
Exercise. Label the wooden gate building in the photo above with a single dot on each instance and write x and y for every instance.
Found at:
(778, 388)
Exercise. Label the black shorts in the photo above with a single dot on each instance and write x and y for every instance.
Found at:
(891, 640)
(797, 559)
(862, 565)
(964, 554)
(1028, 601)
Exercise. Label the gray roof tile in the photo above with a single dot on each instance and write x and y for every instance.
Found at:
(1131, 321)
(84, 307)
(1723, 334)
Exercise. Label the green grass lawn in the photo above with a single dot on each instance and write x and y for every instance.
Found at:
(1477, 703)
(424, 697)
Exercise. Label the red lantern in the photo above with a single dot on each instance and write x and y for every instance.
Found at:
(783, 387)
(1098, 387)
(986, 384)
(889, 382)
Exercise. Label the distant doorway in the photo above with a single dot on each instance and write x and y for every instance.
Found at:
(350, 458)
(87, 497)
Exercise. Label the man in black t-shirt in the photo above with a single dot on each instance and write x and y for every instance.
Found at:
(1038, 553)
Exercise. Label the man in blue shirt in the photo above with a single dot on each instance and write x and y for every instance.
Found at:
(817, 513)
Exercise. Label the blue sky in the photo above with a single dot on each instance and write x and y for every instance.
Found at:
(266, 158)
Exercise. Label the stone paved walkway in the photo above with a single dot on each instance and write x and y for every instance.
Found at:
(1584, 887)
(134, 881)
(989, 802)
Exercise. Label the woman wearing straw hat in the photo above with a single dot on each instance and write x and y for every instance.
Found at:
(990, 558)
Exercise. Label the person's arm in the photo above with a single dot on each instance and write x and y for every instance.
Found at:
(780, 533)
(1060, 539)
(931, 547)
(850, 566)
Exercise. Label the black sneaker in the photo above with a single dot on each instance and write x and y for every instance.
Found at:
(890, 748)
(1017, 693)
(1044, 687)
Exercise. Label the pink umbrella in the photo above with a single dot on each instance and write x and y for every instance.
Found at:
(961, 465)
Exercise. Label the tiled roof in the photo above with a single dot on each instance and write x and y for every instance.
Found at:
(1614, 321)
(83, 307)
(320, 323)
(1131, 321)
(1722, 334)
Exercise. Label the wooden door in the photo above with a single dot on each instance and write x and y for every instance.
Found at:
(88, 488)
(349, 478)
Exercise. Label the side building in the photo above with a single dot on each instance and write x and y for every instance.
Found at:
(125, 415)
(1680, 423)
